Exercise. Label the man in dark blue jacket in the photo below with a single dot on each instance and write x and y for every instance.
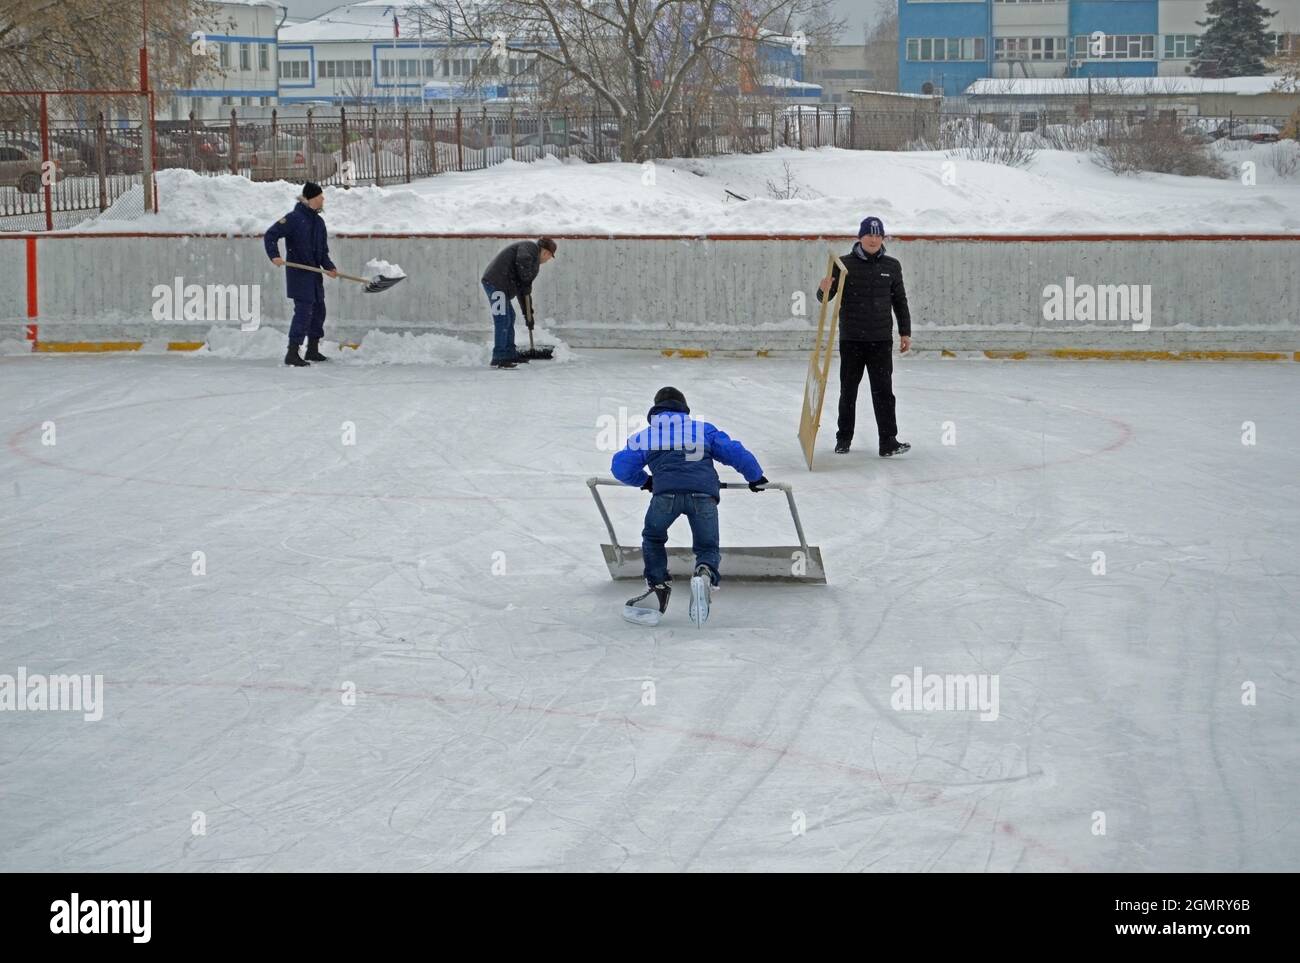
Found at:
(306, 242)
(680, 452)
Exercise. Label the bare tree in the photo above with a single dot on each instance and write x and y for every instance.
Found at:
(94, 44)
(641, 59)
(882, 50)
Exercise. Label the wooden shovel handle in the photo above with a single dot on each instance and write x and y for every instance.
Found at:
(305, 267)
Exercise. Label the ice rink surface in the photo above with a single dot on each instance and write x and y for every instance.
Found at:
(446, 567)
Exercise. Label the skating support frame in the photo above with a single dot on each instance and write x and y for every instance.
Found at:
(794, 563)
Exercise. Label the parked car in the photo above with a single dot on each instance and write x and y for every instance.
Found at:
(1198, 134)
(555, 138)
(287, 159)
(21, 168)
(67, 159)
(1257, 133)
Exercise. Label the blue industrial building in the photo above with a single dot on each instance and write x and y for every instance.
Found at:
(945, 45)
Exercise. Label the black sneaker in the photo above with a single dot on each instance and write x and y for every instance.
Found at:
(894, 448)
(841, 448)
(506, 365)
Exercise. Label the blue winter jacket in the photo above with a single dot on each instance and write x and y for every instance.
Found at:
(680, 451)
(306, 242)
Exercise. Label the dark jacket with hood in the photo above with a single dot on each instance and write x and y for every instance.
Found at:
(515, 269)
(874, 288)
(680, 452)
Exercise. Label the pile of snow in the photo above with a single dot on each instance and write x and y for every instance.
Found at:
(377, 347)
(914, 192)
(243, 345)
(383, 347)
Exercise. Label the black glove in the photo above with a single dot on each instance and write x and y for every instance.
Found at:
(757, 485)
(649, 484)
(526, 302)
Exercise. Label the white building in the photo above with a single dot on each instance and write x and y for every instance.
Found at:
(245, 73)
(389, 52)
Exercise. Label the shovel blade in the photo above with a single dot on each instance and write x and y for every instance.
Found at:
(750, 564)
(382, 283)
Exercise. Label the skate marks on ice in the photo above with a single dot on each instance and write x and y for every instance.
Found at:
(520, 692)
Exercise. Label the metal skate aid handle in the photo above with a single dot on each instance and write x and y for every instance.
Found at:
(786, 487)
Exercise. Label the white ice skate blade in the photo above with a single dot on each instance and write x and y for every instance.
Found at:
(699, 600)
(642, 616)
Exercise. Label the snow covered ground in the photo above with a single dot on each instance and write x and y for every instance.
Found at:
(913, 192)
(446, 567)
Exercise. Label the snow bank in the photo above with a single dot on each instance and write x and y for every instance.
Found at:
(382, 347)
(13, 346)
(377, 347)
(914, 192)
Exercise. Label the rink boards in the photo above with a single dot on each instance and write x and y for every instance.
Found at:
(1074, 295)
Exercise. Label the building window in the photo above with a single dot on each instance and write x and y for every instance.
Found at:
(263, 56)
(1117, 47)
(223, 56)
(1285, 44)
(945, 48)
(245, 56)
(294, 70)
(1029, 48)
(1181, 46)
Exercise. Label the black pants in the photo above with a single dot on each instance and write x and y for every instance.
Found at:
(877, 359)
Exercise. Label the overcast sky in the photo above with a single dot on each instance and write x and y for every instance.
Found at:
(857, 12)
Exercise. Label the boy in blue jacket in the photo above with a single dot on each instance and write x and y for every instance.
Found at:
(680, 452)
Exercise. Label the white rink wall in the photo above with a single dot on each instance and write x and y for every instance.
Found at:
(723, 293)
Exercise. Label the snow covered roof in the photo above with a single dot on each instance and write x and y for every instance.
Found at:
(776, 80)
(250, 3)
(1127, 86)
(895, 93)
(363, 20)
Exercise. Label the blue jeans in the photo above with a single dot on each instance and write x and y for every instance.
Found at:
(701, 512)
(308, 321)
(503, 321)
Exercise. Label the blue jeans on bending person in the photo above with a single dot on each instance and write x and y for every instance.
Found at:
(701, 512)
(503, 323)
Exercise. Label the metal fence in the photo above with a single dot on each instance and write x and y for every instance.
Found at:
(55, 174)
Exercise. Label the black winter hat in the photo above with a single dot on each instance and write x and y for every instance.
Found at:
(669, 393)
(310, 189)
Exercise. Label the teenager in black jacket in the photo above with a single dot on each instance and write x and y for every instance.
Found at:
(873, 295)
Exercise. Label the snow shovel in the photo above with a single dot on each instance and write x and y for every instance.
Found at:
(534, 353)
(373, 285)
(792, 563)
